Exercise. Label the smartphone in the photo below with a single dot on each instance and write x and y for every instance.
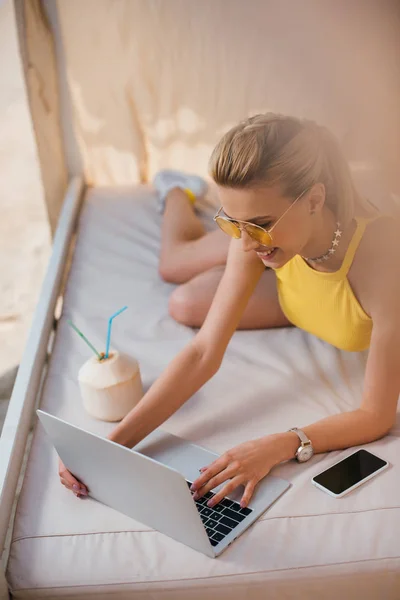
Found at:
(347, 474)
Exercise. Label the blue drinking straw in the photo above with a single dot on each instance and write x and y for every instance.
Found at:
(110, 320)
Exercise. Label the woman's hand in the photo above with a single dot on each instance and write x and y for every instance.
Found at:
(245, 464)
(69, 481)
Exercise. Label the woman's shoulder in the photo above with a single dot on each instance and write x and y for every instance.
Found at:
(376, 264)
(377, 261)
(380, 243)
(382, 228)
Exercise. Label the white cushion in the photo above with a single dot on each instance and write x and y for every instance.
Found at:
(307, 543)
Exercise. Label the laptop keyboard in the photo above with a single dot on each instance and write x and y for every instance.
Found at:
(221, 518)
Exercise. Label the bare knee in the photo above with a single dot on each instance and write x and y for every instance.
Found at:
(182, 306)
(173, 272)
(168, 272)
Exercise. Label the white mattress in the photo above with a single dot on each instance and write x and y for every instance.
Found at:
(307, 544)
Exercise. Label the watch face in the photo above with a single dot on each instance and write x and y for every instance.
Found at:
(305, 453)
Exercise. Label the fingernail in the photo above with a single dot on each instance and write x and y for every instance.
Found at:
(192, 488)
(243, 505)
(75, 487)
(83, 491)
(196, 496)
(210, 503)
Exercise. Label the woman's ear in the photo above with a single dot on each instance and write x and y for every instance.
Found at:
(316, 198)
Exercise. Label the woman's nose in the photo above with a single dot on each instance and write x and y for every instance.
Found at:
(247, 242)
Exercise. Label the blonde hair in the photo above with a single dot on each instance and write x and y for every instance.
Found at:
(296, 153)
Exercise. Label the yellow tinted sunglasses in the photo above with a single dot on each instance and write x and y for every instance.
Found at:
(234, 227)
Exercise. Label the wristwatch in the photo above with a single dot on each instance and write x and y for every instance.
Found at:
(305, 451)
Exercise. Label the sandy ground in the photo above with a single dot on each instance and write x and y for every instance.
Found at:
(24, 231)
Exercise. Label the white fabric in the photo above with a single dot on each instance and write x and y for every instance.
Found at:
(307, 545)
(154, 83)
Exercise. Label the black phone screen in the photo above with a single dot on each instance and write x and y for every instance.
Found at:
(349, 471)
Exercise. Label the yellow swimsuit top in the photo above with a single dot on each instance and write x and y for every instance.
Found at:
(324, 303)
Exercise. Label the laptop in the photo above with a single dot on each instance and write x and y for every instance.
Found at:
(151, 482)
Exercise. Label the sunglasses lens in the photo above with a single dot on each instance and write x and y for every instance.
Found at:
(228, 227)
(259, 235)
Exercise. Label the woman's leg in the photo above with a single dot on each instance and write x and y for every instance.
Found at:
(189, 303)
(186, 250)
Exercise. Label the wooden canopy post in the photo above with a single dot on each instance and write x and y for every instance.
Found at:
(40, 70)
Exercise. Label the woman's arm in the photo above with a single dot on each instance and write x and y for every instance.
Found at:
(377, 413)
(249, 462)
(201, 358)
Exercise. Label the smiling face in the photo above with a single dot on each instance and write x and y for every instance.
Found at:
(264, 206)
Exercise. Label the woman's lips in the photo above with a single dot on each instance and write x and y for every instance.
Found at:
(267, 255)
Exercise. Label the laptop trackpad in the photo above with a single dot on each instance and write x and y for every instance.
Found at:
(183, 456)
(171, 450)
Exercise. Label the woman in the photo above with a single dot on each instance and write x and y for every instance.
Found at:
(333, 269)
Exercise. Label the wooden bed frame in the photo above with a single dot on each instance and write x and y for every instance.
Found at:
(13, 441)
(37, 25)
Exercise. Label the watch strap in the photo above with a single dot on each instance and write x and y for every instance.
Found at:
(303, 438)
